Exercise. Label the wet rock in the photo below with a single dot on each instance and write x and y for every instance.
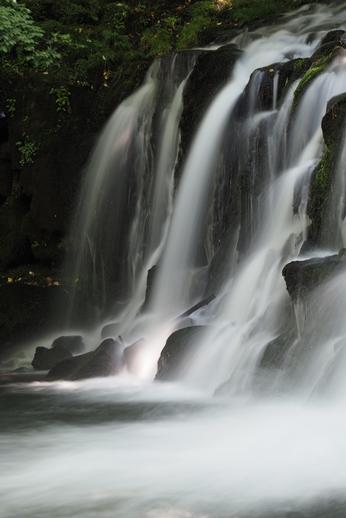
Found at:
(211, 73)
(264, 81)
(332, 40)
(46, 359)
(334, 119)
(151, 277)
(202, 304)
(336, 36)
(323, 57)
(178, 346)
(324, 174)
(105, 361)
(303, 276)
(275, 352)
(74, 344)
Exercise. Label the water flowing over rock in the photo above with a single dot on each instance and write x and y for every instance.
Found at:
(304, 276)
(226, 142)
(179, 346)
(105, 361)
(118, 238)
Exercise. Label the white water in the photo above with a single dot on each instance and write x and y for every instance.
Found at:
(185, 458)
(250, 308)
(125, 160)
(173, 286)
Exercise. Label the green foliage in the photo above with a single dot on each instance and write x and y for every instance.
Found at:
(62, 99)
(19, 34)
(201, 17)
(27, 149)
(156, 42)
(11, 104)
(22, 40)
(247, 11)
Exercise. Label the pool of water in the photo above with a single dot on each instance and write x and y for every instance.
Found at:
(117, 448)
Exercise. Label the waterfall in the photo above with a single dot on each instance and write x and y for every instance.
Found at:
(172, 286)
(236, 432)
(126, 199)
(238, 209)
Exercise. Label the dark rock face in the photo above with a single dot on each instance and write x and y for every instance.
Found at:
(178, 346)
(46, 359)
(303, 276)
(321, 188)
(105, 361)
(26, 310)
(262, 83)
(74, 344)
(334, 120)
(151, 277)
(276, 351)
(211, 73)
(332, 40)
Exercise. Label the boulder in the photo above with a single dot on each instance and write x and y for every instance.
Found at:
(303, 276)
(180, 344)
(46, 359)
(105, 361)
(74, 344)
(334, 119)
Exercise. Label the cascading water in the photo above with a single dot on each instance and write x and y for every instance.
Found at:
(126, 198)
(249, 314)
(120, 447)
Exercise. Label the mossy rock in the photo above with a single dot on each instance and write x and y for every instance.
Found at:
(322, 178)
(328, 50)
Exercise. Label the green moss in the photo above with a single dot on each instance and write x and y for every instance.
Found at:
(27, 149)
(299, 65)
(317, 68)
(247, 11)
(319, 192)
(157, 42)
(308, 77)
(322, 178)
